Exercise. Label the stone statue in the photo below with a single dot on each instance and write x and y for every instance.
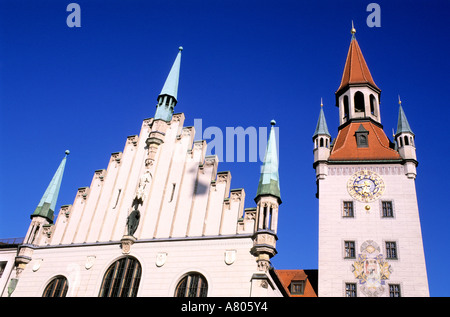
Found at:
(133, 221)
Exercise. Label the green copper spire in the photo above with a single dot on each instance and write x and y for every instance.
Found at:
(269, 180)
(321, 127)
(167, 99)
(47, 204)
(402, 124)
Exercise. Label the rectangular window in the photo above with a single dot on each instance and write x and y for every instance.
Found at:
(394, 290)
(348, 209)
(349, 249)
(387, 209)
(350, 290)
(297, 287)
(391, 250)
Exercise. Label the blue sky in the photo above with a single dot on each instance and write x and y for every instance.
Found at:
(244, 63)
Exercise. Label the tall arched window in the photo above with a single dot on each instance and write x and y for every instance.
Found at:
(359, 101)
(406, 140)
(122, 278)
(192, 285)
(373, 105)
(346, 111)
(56, 288)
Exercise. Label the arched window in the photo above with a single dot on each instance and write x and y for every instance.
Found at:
(122, 278)
(346, 111)
(56, 288)
(359, 101)
(373, 105)
(192, 285)
(321, 142)
(406, 140)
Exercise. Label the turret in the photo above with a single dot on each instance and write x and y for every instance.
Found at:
(267, 200)
(41, 221)
(167, 99)
(405, 142)
(322, 145)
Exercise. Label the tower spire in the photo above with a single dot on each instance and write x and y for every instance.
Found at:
(321, 127)
(47, 205)
(167, 99)
(269, 180)
(402, 124)
(356, 70)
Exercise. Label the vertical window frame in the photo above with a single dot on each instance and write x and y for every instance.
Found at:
(395, 290)
(345, 213)
(350, 288)
(382, 208)
(391, 249)
(349, 249)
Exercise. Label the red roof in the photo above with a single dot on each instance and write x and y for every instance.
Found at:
(356, 70)
(286, 277)
(345, 147)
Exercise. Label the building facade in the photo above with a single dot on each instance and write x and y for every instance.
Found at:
(370, 241)
(160, 220)
(163, 220)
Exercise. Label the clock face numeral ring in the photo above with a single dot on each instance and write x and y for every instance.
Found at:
(365, 186)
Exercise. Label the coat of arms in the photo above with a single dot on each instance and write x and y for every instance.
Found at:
(371, 269)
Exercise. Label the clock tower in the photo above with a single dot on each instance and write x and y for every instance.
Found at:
(370, 241)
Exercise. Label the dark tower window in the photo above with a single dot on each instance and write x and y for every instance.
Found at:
(346, 111)
(373, 106)
(362, 139)
(406, 140)
(359, 101)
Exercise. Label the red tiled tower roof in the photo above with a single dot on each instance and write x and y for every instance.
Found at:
(345, 147)
(356, 70)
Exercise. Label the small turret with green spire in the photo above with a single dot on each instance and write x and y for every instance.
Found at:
(47, 205)
(267, 203)
(321, 127)
(167, 99)
(405, 143)
(269, 179)
(402, 124)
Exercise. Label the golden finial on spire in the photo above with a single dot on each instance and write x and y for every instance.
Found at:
(399, 100)
(321, 103)
(353, 31)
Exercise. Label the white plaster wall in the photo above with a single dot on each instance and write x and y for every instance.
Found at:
(206, 256)
(334, 271)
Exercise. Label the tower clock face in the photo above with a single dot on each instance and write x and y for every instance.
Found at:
(365, 186)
